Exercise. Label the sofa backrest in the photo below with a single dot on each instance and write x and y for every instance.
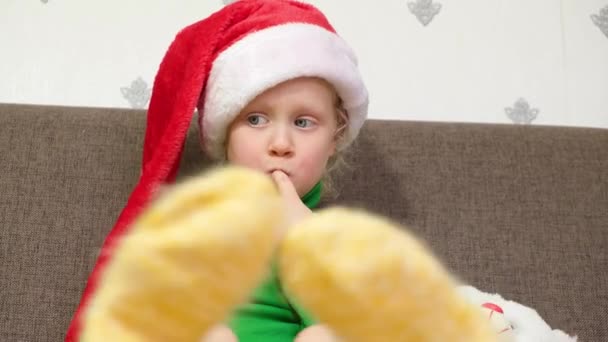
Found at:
(518, 210)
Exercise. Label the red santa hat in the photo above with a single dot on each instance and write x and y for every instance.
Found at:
(220, 64)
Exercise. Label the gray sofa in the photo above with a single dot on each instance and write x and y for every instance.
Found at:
(518, 210)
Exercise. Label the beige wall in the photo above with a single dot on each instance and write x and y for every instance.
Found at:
(471, 62)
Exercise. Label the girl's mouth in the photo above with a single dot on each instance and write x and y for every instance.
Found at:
(271, 171)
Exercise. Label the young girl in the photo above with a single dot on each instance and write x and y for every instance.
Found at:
(278, 91)
(290, 132)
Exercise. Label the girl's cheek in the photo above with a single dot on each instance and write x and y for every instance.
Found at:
(248, 160)
(313, 164)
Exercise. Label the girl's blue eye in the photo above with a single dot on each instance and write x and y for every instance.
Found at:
(303, 123)
(256, 119)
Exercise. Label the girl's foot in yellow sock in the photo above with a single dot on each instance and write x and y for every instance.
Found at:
(190, 258)
(369, 280)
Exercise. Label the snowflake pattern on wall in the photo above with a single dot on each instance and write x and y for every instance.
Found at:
(521, 113)
(424, 10)
(138, 94)
(601, 20)
(44, 1)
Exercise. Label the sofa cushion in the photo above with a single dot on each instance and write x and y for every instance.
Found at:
(519, 210)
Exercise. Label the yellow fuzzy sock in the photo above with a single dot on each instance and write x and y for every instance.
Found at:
(369, 280)
(192, 256)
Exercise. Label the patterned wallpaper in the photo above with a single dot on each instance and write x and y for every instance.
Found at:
(421, 24)
(424, 10)
(601, 20)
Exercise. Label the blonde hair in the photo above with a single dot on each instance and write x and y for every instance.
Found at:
(337, 164)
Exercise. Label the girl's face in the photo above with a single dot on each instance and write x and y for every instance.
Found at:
(290, 127)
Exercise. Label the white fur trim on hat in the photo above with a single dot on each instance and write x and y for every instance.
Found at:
(265, 58)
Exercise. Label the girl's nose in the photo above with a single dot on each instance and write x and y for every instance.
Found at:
(281, 144)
